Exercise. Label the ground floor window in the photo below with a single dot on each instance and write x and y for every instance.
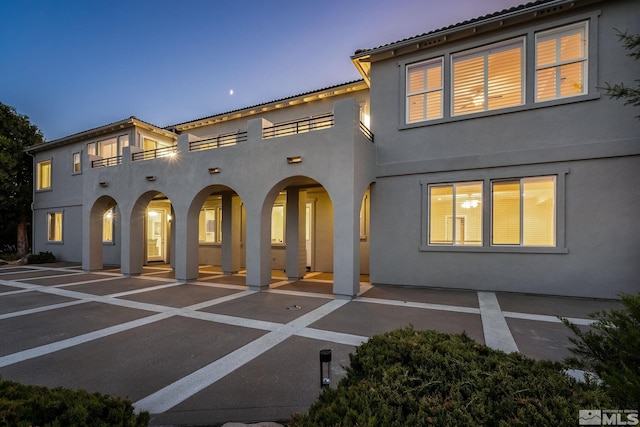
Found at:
(210, 227)
(54, 221)
(495, 212)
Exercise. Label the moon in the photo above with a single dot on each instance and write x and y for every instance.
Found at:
(230, 91)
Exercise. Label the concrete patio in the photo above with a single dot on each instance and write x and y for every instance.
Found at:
(211, 351)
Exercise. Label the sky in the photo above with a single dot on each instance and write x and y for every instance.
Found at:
(73, 65)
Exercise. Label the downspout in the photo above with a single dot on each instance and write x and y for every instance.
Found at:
(33, 198)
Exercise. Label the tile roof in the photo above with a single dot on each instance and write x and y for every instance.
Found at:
(502, 13)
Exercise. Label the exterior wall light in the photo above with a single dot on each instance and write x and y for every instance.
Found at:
(214, 170)
(150, 178)
(103, 184)
(294, 159)
(325, 368)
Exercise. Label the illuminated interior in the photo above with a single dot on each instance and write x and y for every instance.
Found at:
(424, 91)
(462, 201)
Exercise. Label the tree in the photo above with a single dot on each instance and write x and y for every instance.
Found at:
(631, 42)
(16, 173)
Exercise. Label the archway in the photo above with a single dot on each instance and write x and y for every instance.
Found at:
(103, 221)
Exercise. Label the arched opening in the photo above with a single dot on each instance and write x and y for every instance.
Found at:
(216, 212)
(103, 247)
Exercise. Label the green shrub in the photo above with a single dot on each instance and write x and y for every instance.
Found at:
(23, 405)
(611, 350)
(421, 378)
(41, 258)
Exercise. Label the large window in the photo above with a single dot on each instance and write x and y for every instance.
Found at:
(455, 214)
(277, 224)
(488, 78)
(424, 91)
(43, 175)
(524, 212)
(561, 62)
(54, 224)
(210, 230)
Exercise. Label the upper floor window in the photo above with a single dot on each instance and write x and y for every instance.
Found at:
(77, 165)
(43, 175)
(54, 223)
(424, 91)
(488, 78)
(561, 62)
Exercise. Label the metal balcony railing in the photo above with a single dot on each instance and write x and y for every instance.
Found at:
(107, 161)
(366, 131)
(155, 153)
(307, 124)
(218, 141)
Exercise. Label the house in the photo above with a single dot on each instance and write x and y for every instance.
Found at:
(484, 155)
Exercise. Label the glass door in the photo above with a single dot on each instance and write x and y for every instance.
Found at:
(155, 234)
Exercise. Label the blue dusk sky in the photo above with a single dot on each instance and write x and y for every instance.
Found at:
(72, 65)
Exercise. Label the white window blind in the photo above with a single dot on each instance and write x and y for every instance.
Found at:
(488, 78)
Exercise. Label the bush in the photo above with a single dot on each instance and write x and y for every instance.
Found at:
(23, 405)
(409, 377)
(611, 350)
(41, 258)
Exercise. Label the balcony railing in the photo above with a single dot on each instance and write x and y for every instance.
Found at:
(155, 153)
(307, 124)
(366, 131)
(218, 141)
(107, 161)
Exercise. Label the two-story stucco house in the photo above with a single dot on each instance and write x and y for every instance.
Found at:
(499, 163)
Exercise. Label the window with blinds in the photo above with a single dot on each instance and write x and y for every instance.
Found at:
(54, 220)
(488, 78)
(561, 62)
(455, 214)
(523, 212)
(424, 91)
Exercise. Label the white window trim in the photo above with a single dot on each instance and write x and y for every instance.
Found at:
(50, 187)
(49, 214)
(584, 60)
(218, 232)
(408, 67)
(77, 172)
(482, 52)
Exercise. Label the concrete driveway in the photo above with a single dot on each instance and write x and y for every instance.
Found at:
(211, 351)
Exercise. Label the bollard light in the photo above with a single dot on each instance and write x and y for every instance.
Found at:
(325, 368)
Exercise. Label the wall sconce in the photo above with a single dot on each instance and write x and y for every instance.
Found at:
(150, 178)
(325, 368)
(169, 217)
(103, 184)
(214, 170)
(294, 159)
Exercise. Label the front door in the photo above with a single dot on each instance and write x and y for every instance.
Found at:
(155, 234)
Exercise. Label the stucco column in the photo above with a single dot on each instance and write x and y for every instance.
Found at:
(346, 253)
(132, 238)
(186, 244)
(258, 241)
(296, 253)
(231, 223)
(91, 239)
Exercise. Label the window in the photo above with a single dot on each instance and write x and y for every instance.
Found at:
(561, 62)
(489, 78)
(43, 178)
(54, 221)
(91, 149)
(123, 141)
(77, 165)
(210, 229)
(424, 91)
(277, 224)
(524, 212)
(107, 226)
(455, 214)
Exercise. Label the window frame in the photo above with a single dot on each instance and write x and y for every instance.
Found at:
(54, 215)
(218, 225)
(487, 177)
(77, 165)
(111, 220)
(584, 60)
(39, 166)
(591, 18)
(429, 62)
(454, 213)
(484, 52)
